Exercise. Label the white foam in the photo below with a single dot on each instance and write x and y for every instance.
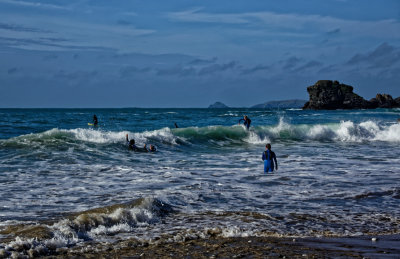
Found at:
(90, 225)
(391, 133)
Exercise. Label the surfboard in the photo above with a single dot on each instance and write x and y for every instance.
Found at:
(90, 124)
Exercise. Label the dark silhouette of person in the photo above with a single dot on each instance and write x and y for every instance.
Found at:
(246, 122)
(95, 121)
(132, 146)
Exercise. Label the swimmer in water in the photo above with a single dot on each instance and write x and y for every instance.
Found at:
(132, 146)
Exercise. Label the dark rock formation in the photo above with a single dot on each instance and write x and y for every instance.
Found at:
(281, 104)
(383, 101)
(397, 100)
(331, 95)
(218, 105)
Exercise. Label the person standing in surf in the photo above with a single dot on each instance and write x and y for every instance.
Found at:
(95, 121)
(269, 159)
(246, 122)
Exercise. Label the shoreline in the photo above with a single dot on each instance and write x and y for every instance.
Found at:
(243, 247)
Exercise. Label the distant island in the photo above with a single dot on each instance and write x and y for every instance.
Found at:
(284, 104)
(217, 105)
(332, 95)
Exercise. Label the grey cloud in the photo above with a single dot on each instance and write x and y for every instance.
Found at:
(35, 4)
(20, 28)
(255, 69)
(334, 32)
(329, 69)
(123, 22)
(75, 75)
(177, 70)
(198, 62)
(12, 70)
(310, 64)
(132, 70)
(217, 68)
(50, 39)
(384, 55)
(50, 57)
(291, 62)
(32, 43)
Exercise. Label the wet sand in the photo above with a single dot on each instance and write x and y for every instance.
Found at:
(243, 247)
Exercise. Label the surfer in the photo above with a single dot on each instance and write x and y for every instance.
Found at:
(176, 125)
(95, 121)
(132, 146)
(269, 158)
(246, 122)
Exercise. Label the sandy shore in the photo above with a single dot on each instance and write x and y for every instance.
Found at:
(243, 247)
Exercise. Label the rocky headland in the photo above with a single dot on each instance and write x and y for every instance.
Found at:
(332, 95)
(218, 105)
(284, 104)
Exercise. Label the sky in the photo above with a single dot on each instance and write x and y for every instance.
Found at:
(136, 53)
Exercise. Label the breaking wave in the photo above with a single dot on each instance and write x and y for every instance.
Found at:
(44, 239)
(345, 131)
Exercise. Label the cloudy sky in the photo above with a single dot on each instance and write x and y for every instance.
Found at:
(136, 53)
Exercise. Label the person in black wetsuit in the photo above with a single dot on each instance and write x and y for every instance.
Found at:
(246, 122)
(132, 146)
(176, 125)
(95, 121)
(269, 158)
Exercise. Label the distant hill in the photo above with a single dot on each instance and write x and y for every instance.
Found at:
(217, 105)
(284, 104)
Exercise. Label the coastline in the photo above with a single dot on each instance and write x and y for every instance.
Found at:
(243, 247)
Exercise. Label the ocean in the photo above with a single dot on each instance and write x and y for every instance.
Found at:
(66, 184)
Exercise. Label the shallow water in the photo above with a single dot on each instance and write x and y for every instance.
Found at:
(338, 173)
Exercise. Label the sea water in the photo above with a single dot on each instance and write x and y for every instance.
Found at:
(64, 183)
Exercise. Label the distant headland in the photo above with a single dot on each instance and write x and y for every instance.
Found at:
(217, 105)
(332, 95)
(284, 104)
(327, 95)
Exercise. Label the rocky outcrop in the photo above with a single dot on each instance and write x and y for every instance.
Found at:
(383, 101)
(217, 105)
(331, 95)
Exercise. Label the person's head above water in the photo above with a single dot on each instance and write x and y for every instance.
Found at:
(268, 146)
(132, 142)
(152, 148)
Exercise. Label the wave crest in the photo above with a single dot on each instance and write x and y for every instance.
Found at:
(345, 131)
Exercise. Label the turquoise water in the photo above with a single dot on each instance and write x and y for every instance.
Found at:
(339, 173)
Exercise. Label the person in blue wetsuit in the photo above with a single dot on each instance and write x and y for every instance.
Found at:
(246, 122)
(269, 158)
